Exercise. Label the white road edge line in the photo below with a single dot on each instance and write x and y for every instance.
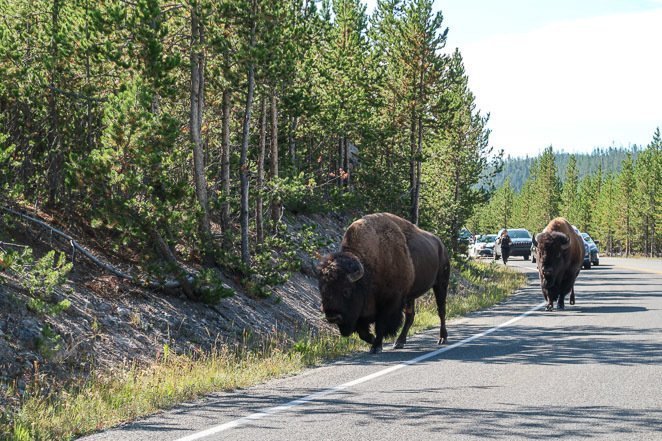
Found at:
(312, 397)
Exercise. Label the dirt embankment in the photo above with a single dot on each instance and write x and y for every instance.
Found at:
(112, 323)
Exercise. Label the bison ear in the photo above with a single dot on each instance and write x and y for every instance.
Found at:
(358, 273)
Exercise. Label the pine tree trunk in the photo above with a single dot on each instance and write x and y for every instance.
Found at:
(347, 181)
(225, 163)
(413, 213)
(275, 202)
(197, 109)
(340, 161)
(55, 157)
(292, 142)
(259, 218)
(419, 151)
(243, 161)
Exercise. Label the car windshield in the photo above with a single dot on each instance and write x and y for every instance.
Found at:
(519, 234)
(488, 238)
(587, 238)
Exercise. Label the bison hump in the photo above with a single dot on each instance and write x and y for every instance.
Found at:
(381, 245)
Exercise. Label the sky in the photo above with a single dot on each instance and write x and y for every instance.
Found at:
(574, 74)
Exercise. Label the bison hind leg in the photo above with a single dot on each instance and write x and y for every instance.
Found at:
(410, 313)
(393, 323)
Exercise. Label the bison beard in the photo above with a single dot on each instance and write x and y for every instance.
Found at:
(384, 264)
(560, 256)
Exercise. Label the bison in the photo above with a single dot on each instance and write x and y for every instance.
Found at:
(384, 264)
(560, 257)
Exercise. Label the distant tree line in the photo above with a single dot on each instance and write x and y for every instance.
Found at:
(621, 209)
(607, 160)
(183, 130)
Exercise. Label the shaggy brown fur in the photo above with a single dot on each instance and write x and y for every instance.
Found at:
(385, 263)
(560, 256)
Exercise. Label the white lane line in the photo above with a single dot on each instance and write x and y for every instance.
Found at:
(312, 397)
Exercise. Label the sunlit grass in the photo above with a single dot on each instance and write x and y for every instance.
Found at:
(490, 284)
(106, 400)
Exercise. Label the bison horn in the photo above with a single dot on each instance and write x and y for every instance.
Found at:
(356, 275)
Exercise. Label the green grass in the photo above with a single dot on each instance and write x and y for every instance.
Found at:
(488, 284)
(105, 400)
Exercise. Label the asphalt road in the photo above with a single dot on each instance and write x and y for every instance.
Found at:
(593, 371)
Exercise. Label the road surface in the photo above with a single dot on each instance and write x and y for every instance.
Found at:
(514, 371)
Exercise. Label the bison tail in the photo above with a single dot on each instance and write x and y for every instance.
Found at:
(393, 323)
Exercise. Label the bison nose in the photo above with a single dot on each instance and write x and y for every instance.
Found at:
(335, 318)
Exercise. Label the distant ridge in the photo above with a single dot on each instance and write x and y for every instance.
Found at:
(609, 158)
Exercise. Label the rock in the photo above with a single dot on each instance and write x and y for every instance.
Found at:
(29, 332)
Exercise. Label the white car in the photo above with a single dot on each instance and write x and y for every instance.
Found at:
(483, 246)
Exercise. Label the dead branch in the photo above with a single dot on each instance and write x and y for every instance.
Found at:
(171, 284)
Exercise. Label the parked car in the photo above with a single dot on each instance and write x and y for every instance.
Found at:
(521, 246)
(592, 248)
(587, 250)
(483, 246)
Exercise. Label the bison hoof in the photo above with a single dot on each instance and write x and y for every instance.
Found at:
(442, 341)
(561, 306)
(398, 344)
(549, 307)
(376, 350)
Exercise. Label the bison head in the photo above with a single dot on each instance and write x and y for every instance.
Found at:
(342, 298)
(551, 246)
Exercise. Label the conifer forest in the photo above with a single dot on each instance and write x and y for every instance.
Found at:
(186, 131)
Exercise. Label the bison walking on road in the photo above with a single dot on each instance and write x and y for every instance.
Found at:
(384, 264)
(560, 257)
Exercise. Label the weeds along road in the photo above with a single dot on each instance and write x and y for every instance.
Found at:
(593, 371)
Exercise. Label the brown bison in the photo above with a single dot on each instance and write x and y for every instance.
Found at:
(560, 256)
(384, 264)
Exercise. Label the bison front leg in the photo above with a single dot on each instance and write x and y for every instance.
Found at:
(363, 329)
(380, 329)
(410, 313)
(561, 302)
(548, 299)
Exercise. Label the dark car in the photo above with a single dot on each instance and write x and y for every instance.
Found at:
(521, 245)
(592, 249)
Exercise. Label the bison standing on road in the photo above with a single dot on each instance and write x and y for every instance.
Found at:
(384, 264)
(560, 257)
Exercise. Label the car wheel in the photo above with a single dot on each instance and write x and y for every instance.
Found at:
(533, 259)
(526, 257)
(587, 265)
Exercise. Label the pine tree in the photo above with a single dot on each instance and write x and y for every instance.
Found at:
(606, 214)
(647, 200)
(570, 192)
(626, 188)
